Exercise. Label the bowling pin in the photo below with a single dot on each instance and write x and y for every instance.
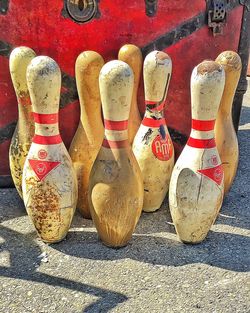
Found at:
(152, 146)
(196, 186)
(89, 135)
(49, 181)
(21, 140)
(132, 55)
(115, 188)
(225, 136)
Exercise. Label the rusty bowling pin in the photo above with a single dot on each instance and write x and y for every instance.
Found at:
(49, 181)
(196, 186)
(225, 136)
(116, 188)
(132, 55)
(89, 135)
(152, 146)
(21, 140)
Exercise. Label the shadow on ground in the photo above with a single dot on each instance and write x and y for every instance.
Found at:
(24, 254)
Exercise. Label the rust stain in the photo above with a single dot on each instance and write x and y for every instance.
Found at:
(45, 209)
(208, 67)
(162, 56)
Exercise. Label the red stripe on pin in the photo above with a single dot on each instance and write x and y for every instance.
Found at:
(47, 140)
(115, 144)
(156, 106)
(45, 118)
(201, 143)
(150, 122)
(116, 125)
(203, 125)
(148, 102)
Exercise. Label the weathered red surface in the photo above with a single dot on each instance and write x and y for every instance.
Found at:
(40, 25)
(185, 55)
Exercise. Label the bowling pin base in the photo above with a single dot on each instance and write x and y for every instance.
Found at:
(113, 246)
(194, 206)
(84, 213)
(52, 241)
(153, 200)
(191, 242)
(17, 156)
(83, 206)
(151, 210)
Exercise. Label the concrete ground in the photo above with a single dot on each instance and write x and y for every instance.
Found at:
(154, 273)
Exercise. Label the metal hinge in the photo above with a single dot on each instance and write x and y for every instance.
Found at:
(217, 14)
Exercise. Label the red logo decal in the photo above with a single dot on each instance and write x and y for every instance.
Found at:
(214, 173)
(162, 148)
(42, 154)
(214, 160)
(42, 168)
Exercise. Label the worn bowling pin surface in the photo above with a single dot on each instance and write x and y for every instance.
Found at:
(196, 186)
(225, 136)
(19, 147)
(152, 146)
(89, 135)
(49, 181)
(132, 55)
(116, 188)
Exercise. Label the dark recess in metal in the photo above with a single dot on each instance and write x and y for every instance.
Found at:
(5, 49)
(177, 137)
(71, 94)
(243, 51)
(6, 181)
(4, 5)
(7, 132)
(81, 11)
(151, 7)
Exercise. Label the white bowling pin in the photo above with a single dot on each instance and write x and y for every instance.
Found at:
(152, 146)
(196, 186)
(132, 55)
(115, 187)
(49, 181)
(20, 58)
(89, 135)
(225, 135)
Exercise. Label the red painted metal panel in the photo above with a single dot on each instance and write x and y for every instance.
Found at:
(42, 25)
(185, 55)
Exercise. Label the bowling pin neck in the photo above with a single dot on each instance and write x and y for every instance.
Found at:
(154, 109)
(116, 134)
(19, 60)
(91, 117)
(202, 134)
(44, 83)
(207, 84)
(87, 68)
(25, 110)
(157, 71)
(132, 55)
(46, 124)
(231, 63)
(225, 109)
